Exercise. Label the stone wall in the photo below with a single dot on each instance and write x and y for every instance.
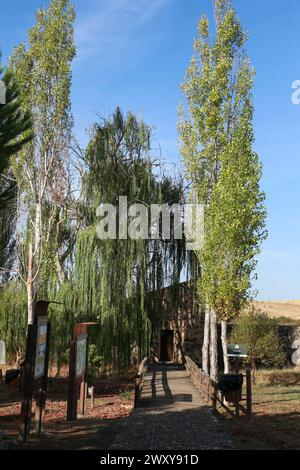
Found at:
(290, 336)
(177, 311)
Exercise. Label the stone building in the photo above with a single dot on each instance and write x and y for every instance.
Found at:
(178, 325)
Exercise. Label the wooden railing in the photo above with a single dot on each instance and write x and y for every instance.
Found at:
(213, 396)
(139, 380)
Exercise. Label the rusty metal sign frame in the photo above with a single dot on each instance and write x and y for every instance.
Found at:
(78, 382)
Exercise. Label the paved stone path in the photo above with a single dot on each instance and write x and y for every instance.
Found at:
(171, 415)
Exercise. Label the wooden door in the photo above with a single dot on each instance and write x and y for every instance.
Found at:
(167, 346)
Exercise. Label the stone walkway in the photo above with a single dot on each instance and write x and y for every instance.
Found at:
(171, 415)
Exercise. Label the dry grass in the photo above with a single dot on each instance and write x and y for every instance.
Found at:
(283, 377)
(276, 408)
(283, 308)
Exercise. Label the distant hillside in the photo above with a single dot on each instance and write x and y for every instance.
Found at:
(281, 308)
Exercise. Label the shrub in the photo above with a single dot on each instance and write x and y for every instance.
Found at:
(260, 334)
(285, 378)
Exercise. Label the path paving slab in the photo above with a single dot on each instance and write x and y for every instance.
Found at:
(171, 415)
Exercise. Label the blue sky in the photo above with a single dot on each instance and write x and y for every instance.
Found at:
(134, 53)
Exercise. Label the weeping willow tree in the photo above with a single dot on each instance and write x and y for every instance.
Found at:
(13, 319)
(108, 280)
(111, 277)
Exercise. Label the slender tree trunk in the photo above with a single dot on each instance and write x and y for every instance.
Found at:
(58, 263)
(224, 345)
(37, 228)
(33, 262)
(59, 270)
(30, 286)
(205, 347)
(213, 346)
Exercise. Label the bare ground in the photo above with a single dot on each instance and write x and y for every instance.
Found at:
(96, 431)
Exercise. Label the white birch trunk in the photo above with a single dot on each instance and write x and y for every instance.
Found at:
(205, 347)
(224, 345)
(33, 262)
(29, 286)
(37, 229)
(213, 346)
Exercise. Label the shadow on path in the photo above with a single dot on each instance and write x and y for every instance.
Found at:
(171, 415)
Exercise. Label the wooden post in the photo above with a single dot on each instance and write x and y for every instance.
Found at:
(237, 403)
(249, 392)
(84, 385)
(78, 379)
(82, 399)
(137, 389)
(91, 392)
(27, 385)
(72, 389)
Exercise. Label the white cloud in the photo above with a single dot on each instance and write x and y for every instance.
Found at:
(107, 25)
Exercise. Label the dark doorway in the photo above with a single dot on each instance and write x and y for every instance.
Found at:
(167, 346)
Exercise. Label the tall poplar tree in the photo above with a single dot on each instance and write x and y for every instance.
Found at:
(43, 72)
(217, 89)
(235, 224)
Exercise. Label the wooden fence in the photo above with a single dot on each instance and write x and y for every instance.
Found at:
(139, 380)
(214, 397)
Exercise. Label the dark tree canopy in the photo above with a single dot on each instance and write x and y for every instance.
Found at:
(15, 125)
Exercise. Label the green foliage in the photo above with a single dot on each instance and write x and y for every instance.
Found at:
(13, 319)
(43, 73)
(282, 320)
(111, 287)
(235, 222)
(42, 68)
(62, 320)
(260, 334)
(95, 361)
(15, 125)
(217, 139)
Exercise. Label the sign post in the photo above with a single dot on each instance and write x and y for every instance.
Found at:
(78, 371)
(2, 359)
(41, 371)
(237, 352)
(34, 372)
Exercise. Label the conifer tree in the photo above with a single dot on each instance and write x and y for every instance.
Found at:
(15, 132)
